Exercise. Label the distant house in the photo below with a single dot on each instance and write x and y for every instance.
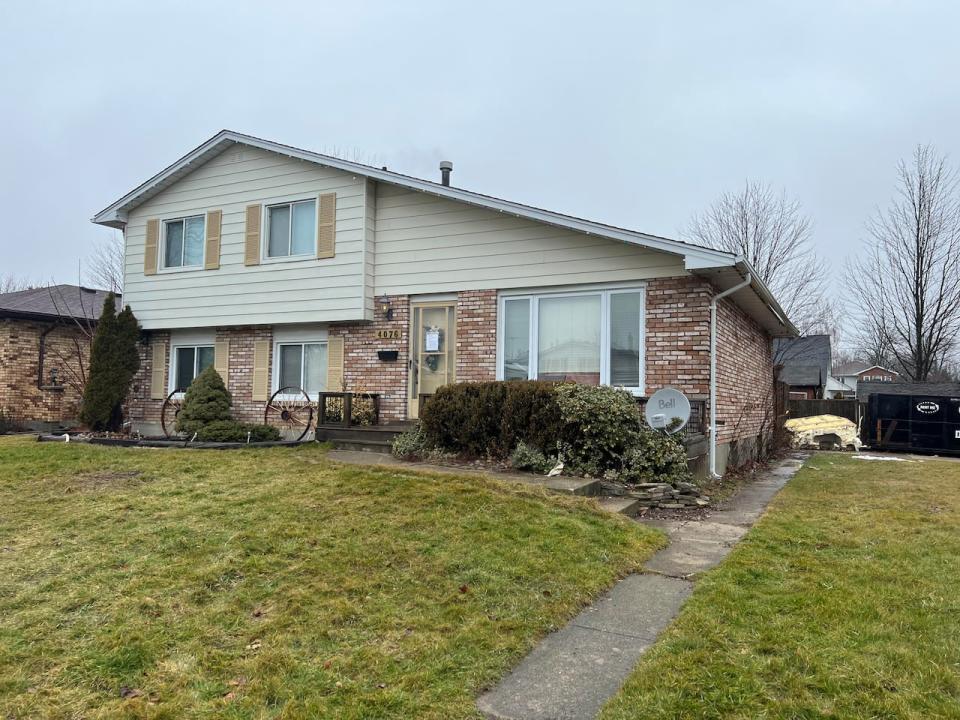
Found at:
(804, 365)
(851, 374)
(43, 347)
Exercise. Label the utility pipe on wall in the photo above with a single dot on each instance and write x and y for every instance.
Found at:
(713, 370)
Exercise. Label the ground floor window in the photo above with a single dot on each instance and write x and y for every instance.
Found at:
(302, 365)
(592, 337)
(188, 362)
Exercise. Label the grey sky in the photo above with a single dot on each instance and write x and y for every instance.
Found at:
(635, 114)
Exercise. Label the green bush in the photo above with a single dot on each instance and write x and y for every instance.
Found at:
(657, 457)
(410, 444)
(488, 419)
(599, 425)
(114, 360)
(525, 457)
(233, 431)
(207, 400)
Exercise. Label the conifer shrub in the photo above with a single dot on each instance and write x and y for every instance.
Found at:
(206, 401)
(114, 360)
(234, 431)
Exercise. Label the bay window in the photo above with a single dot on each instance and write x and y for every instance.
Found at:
(592, 337)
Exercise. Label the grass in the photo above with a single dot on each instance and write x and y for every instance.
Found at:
(138, 583)
(843, 602)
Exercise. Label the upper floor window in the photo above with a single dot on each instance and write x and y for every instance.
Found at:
(292, 229)
(183, 242)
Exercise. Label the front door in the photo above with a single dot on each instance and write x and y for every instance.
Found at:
(433, 342)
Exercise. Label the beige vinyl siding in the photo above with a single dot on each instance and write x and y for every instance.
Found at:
(370, 249)
(275, 291)
(428, 244)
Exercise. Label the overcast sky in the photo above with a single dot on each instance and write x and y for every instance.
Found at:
(637, 114)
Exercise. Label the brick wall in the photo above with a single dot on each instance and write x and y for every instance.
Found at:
(363, 371)
(744, 375)
(19, 366)
(476, 335)
(678, 335)
(240, 369)
(140, 408)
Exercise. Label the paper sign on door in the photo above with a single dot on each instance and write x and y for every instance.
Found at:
(431, 342)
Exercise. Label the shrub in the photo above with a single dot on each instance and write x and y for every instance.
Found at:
(233, 431)
(490, 418)
(599, 425)
(656, 457)
(410, 444)
(114, 360)
(525, 457)
(207, 400)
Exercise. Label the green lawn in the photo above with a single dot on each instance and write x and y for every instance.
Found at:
(843, 602)
(273, 584)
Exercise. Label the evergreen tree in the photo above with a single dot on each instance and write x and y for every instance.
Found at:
(114, 361)
(207, 400)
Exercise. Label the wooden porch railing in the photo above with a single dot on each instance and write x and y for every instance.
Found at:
(346, 409)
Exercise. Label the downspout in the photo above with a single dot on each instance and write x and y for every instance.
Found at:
(713, 371)
(42, 355)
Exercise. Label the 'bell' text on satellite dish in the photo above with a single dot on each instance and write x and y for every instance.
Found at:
(667, 410)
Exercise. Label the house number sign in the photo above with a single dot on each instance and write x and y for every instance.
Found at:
(388, 334)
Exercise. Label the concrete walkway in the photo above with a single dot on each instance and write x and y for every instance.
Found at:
(572, 673)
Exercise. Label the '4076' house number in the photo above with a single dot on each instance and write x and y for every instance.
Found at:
(393, 334)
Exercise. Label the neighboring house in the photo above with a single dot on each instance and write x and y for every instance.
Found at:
(283, 267)
(855, 372)
(804, 364)
(44, 347)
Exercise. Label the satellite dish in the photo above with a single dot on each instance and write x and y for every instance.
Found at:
(667, 410)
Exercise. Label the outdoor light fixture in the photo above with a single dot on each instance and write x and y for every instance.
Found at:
(54, 376)
(385, 307)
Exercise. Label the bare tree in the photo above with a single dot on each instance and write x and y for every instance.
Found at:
(105, 265)
(907, 284)
(772, 233)
(12, 283)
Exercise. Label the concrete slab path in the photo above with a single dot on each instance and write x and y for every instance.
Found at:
(572, 673)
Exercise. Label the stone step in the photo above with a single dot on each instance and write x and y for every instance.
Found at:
(371, 445)
(623, 505)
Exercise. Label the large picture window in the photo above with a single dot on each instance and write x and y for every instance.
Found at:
(590, 337)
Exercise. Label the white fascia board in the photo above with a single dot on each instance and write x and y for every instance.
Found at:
(694, 255)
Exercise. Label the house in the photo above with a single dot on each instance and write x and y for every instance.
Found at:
(855, 372)
(44, 346)
(285, 268)
(804, 365)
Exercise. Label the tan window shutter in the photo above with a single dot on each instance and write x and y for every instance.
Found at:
(327, 226)
(212, 251)
(261, 369)
(151, 248)
(221, 358)
(158, 388)
(334, 364)
(251, 253)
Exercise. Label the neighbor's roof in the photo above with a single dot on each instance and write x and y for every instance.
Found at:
(804, 360)
(866, 389)
(65, 301)
(723, 268)
(855, 367)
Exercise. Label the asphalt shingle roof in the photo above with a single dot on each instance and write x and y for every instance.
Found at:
(69, 301)
(804, 360)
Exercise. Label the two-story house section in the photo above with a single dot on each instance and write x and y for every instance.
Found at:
(283, 267)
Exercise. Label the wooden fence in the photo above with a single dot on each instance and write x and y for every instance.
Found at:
(849, 409)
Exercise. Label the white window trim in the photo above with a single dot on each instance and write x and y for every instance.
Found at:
(604, 292)
(265, 224)
(295, 338)
(162, 259)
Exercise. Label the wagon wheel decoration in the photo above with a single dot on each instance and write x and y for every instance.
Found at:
(290, 410)
(171, 408)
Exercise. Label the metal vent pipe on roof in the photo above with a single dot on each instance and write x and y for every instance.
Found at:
(446, 167)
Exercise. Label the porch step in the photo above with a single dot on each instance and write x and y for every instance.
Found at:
(623, 505)
(376, 438)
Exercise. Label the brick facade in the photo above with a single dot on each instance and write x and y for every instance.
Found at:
(363, 371)
(476, 335)
(677, 344)
(67, 352)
